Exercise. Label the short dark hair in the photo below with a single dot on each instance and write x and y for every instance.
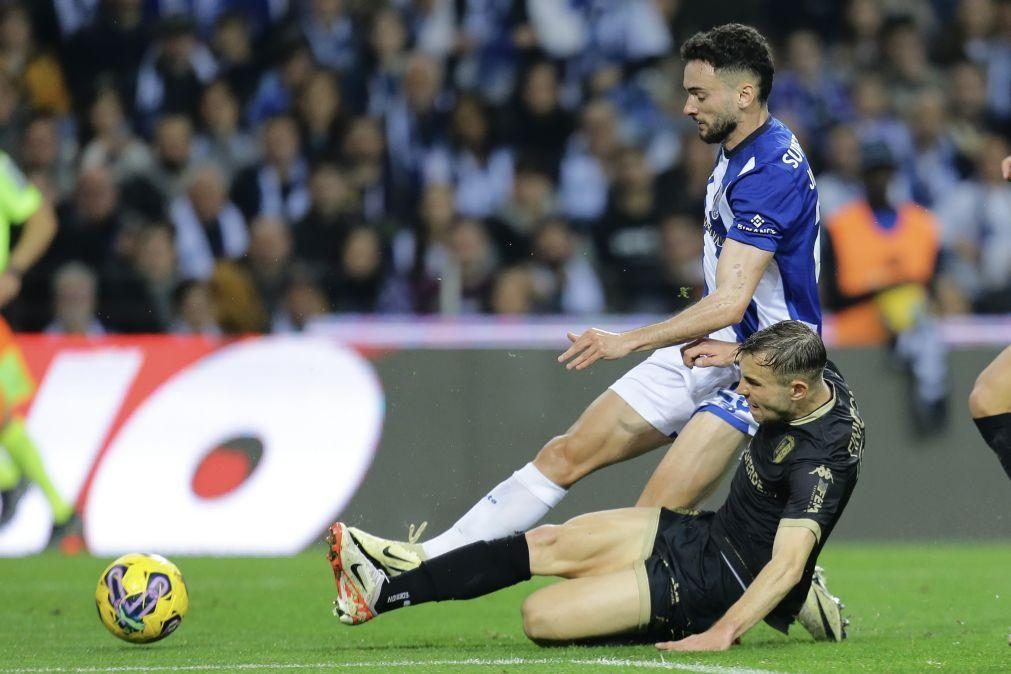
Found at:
(789, 348)
(734, 46)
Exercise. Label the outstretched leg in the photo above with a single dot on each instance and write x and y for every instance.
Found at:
(599, 543)
(990, 405)
(608, 431)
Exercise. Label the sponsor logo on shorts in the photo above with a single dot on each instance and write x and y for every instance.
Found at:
(824, 472)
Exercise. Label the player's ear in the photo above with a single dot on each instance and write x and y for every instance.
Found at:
(798, 389)
(746, 93)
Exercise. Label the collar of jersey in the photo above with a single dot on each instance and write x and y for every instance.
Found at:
(748, 139)
(819, 412)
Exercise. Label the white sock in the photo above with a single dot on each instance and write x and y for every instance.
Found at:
(512, 507)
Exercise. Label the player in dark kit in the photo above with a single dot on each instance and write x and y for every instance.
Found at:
(990, 400)
(691, 580)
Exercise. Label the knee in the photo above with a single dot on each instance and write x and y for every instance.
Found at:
(543, 537)
(566, 459)
(542, 543)
(984, 400)
(538, 622)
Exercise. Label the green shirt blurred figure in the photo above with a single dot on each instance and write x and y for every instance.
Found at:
(22, 204)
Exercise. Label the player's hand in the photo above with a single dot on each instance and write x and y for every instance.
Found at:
(591, 346)
(10, 286)
(1005, 168)
(709, 640)
(707, 352)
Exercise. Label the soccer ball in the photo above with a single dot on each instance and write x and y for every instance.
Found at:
(141, 598)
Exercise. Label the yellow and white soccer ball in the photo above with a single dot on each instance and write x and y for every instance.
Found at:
(141, 598)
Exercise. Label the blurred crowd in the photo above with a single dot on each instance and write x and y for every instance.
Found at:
(248, 165)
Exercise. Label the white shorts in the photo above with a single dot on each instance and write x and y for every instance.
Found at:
(666, 393)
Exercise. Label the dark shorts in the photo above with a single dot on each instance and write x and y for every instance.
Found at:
(690, 585)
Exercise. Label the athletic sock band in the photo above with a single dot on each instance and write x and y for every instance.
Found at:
(996, 430)
(471, 571)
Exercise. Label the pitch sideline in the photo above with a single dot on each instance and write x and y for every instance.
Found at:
(395, 664)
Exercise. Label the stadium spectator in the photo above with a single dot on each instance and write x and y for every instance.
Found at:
(364, 159)
(13, 115)
(233, 48)
(279, 186)
(977, 232)
(540, 126)
(875, 118)
(514, 292)
(415, 123)
(113, 144)
(75, 301)
(998, 65)
(585, 168)
(839, 183)
(861, 49)
(969, 114)
(89, 222)
(221, 139)
(908, 70)
(268, 261)
(904, 239)
(421, 253)
(681, 254)
(531, 202)
(45, 150)
(628, 237)
(108, 52)
(936, 165)
(682, 188)
(64, 19)
(473, 262)
(208, 226)
(330, 34)
(136, 293)
(322, 116)
(173, 72)
(565, 281)
(277, 88)
(195, 309)
(880, 260)
(304, 299)
(489, 35)
(357, 284)
(151, 191)
(386, 58)
(319, 236)
(808, 90)
(382, 90)
(474, 161)
(38, 72)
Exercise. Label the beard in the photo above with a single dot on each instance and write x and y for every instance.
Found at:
(717, 132)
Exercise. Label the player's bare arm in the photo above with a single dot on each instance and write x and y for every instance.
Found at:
(39, 230)
(737, 275)
(790, 551)
(1005, 167)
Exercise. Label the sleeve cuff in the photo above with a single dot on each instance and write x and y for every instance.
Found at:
(808, 524)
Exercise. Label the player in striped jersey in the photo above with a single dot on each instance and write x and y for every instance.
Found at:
(761, 267)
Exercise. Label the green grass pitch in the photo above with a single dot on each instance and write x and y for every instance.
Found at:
(914, 609)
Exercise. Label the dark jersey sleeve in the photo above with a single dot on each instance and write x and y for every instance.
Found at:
(818, 493)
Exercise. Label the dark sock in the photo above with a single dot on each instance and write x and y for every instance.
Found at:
(996, 430)
(471, 571)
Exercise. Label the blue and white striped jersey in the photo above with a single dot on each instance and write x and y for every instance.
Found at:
(762, 193)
